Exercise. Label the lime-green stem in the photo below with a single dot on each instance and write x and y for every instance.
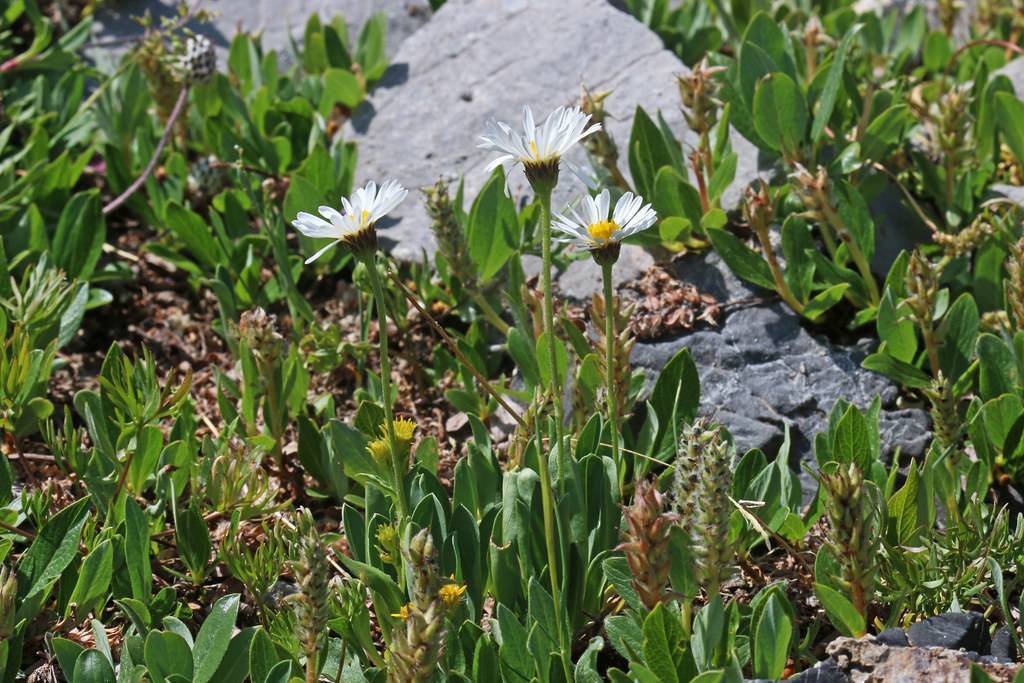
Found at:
(385, 384)
(489, 313)
(549, 330)
(609, 360)
(855, 253)
(548, 505)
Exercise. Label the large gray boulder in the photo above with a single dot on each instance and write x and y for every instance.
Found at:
(481, 58)
(277, 20)
(761, 370)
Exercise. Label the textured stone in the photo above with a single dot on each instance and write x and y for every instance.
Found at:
(481, 58)
(822, 672)
(278, 20)
(954, 630)
(761, 370)
(893, 637)
(865, 660)
(1003, 645)
(582, 278)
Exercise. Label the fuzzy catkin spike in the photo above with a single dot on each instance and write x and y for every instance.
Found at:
(311, 568)
(451, 241)
(853, 531)
(702, 486)
(648, 525)
(418, 642)
(8, 595)
(1015, 282)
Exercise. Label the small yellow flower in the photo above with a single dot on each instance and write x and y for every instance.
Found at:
(451, 593)
(379, 451)
(404, 613)
(387, 541)
(404, 428)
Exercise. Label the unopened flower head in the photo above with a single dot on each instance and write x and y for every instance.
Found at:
(538, 148)
(354, 224)
(379, 451)
(601, 230)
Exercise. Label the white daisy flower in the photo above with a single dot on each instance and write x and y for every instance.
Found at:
(538, 149)
(354, 225)
(595, 228)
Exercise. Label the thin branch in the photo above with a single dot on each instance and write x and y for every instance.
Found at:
(179, 106)
(458, 353)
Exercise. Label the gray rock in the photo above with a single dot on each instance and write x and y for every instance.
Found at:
(278, 20)
(582, 278)
(1003, 645)
(761, 371)
(481, 58)
(1014, 70)
(893, 637)
(897, 228)
(865, 660)
(822, 672)
(953, 631)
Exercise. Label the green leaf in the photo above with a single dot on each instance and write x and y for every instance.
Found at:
(741, 259)
(904, 509)
(586, 665)
(780, 113)
(675, 397)
(78, 242)
(824, 300)
(772, 639)
(958, 334)
(998, 367)
(544, 359)
(213, 638)
(493, 227)
(193, 541)
(94, 579)
(616, 571)
(167, 654)
(648, 152)
(840, 611)
(50, 553)
(906, 374)
(93, 667)
(827, 101)
(660, 639)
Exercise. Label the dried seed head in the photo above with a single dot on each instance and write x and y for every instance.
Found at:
(698, 91)
(198, 61)
(648, 525)
(1015, 282)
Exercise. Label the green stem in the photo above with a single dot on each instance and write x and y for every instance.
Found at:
(549, 330)
(385, 384)
(489, 312)
(773, 262)
(855, 253)
(548, 504)
(609, 359)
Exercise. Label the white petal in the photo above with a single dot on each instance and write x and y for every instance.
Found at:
(314, 226)
(320, 253)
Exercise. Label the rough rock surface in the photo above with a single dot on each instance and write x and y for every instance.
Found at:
(954, 631)
(481, 58)
(865, 660)
(277, 19)
(761, 370)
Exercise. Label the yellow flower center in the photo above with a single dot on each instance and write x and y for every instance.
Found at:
(404, 429)
(602, 232)
(451, 593)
